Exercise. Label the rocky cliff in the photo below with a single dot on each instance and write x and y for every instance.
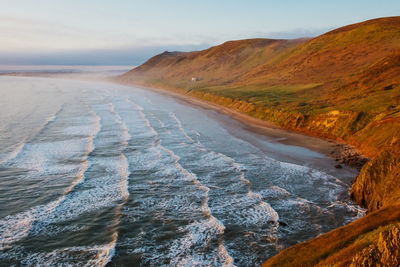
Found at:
(378, 184)
(383, 251)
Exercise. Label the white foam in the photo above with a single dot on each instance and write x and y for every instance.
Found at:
(162, 124)
(187, 251)
(44, 158)
(98, 256)
(221, 178)
(350, 207)
(212, 223)
(291, 203)
(52, 117)
(180, 127)
(248, 209)
(108, 188)
(84, 130)
(104, 191)
(19, 148)
(125, 134)
(17, 226)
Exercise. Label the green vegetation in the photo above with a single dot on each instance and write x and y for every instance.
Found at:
(263, 96)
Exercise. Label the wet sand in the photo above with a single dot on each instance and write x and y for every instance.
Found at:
(280, 144)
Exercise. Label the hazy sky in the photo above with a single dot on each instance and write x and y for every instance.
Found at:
(129, 31)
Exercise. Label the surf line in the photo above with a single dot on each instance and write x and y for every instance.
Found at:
(16, 227)
(20, 147)
(205, 208)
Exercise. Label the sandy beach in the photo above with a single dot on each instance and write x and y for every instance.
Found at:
(328, 151)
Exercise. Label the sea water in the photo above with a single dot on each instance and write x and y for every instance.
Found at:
(95, 174)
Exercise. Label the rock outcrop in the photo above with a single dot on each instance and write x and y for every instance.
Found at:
(385, 251)
(378, 184)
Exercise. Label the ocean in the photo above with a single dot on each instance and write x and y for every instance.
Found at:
(99, 174)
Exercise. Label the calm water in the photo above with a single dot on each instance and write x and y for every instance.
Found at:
(96, 174)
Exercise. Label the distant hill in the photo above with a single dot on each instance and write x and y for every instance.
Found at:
(335, 54)
(217, 65)
(344, 85)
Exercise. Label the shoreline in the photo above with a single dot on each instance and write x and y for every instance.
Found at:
(331, 150)
(343, 155)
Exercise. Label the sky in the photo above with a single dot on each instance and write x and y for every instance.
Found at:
(127, 32)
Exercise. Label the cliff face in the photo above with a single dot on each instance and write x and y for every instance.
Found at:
(378, 184)
(368, 132)
(342, 85)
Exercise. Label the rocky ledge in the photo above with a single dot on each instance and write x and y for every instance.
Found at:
(348, 155)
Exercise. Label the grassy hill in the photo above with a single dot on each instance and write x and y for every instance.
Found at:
(344, 85)
(332, 86)
(337, 85)
(214, 66)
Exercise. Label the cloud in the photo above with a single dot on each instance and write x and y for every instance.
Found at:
(111, 56)
(36, 41)
(39, 35)
(24, 34)
(33, 41)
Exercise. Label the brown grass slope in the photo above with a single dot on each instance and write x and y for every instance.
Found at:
(332, 55)
(343, 85)
(373, 240)
(217, 65)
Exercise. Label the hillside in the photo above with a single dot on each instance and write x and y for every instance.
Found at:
(332, 55)
(343, 85)
(373, 240)
(305, 85)
(214, 66)
(338, 85)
